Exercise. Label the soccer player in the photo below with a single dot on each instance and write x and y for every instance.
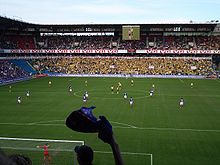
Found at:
(19, 100)
(117, 89)
(70, 89)
(153, 86)
(191, 84)
(87, 95)
(49, 83)
(151, 92)
(125, 96)
(131, 102)
(10, 87)
(112, 89)
(181, 103)
(132, 83)
(119, 85)
(84, 99)
(28, 93)
(47, 157)
(130, 33)
(86, 83)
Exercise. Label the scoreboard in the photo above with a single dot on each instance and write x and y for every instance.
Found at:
(131, 32)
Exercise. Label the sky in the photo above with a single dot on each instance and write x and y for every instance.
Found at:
(111, 11)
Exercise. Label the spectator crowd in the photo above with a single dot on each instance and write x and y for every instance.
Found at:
(126, 65)
(111, 42)
(9, 71)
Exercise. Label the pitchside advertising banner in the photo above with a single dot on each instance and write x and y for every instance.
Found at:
(106, 51)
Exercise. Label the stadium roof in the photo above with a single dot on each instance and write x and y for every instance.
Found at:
(16, 25)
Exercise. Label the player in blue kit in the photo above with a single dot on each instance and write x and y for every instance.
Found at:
(28, 94)
(151, 92)
(84, 99)
(19, 100)
(70, 90)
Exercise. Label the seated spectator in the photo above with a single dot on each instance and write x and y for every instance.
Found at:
(9, 71)
(111, 42)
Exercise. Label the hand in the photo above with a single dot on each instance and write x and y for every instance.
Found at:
(105, 130)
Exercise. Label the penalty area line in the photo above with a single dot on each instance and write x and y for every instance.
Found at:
(126, 126)
(178, 129)
(130, 153)
(181, 80)
(131, 126)
(41, 140)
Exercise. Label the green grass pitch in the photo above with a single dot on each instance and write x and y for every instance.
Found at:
(154, 127)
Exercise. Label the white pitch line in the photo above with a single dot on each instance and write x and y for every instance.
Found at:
(122, 127)
(129, 153)
(181, 81)
(125, 153)
(170, 129)
(28, 124)
(71, 150)
(178, 129)
(36, 149)
(129, 127)
(42, 122)
(41, 140)
(48, 124)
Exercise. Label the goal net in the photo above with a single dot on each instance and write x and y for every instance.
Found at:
(60, 151)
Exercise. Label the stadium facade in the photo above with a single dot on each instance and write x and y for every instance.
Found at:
(195, 41)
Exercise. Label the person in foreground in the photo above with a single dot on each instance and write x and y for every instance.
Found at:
(85, 153)
(15, 159)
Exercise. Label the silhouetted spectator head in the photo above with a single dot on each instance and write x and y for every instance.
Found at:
(20, 159)
(4, 160)
(84, 155)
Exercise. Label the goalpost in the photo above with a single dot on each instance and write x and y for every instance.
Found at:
(61, 151)
(145, 158)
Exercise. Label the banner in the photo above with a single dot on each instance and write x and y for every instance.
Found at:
(105, 51)
(31, 51)
(179, 51)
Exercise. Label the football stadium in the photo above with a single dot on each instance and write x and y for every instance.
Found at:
(157, 85)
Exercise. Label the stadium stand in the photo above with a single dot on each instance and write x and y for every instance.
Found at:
(165, 49)
(24, 64)
(10, 72)
(126, 65)
(17, 42)
(149, 42)
(161, 42)
(109, 42)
